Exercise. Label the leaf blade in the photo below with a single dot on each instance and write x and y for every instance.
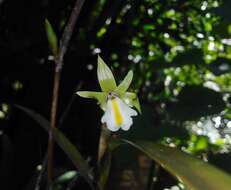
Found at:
(51, 37)
(64, 143)
(192, 172)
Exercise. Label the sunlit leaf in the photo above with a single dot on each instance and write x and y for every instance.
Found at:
(101, 32)
(70, 150)
(67, 176)
(149, 27)
(105, 76)
(198, 143)
(52, 38)
(192, 172)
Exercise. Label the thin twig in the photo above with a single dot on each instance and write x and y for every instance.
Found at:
(67, 33)
(53, 125)
(64, 42)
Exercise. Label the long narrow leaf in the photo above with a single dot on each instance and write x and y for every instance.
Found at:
(64, 143)
(192, 172)
(52, 38)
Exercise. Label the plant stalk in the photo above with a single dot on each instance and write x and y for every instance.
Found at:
(64, 42)
(103, 142)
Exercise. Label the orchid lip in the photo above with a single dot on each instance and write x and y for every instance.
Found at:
(118, 114)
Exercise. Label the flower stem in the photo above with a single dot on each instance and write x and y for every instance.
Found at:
(103, 142)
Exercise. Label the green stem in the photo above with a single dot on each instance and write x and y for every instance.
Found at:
(103, 142)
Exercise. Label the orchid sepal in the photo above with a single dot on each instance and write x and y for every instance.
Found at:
(105, 76)
(116, 102)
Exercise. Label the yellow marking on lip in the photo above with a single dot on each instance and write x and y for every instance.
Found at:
(117, 113)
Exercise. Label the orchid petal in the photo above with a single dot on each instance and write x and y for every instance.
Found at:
(124, 85)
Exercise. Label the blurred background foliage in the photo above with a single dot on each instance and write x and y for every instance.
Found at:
(179, 50)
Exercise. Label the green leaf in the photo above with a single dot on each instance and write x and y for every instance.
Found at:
(124, 85)
(64, 143)
(192, 172)
(101, 32)
(52, 38)
(101, 97)
(67, 176)
(133, 100)
(105, 76)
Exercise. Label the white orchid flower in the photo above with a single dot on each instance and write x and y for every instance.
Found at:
(118, 115)
(116, 102)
